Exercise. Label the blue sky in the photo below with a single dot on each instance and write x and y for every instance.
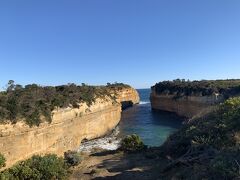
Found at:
(139, 42)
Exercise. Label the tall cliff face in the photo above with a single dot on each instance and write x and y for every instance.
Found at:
(68, 128)
(189, 98)
(187, 106)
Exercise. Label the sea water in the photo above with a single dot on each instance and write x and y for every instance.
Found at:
(152, 127)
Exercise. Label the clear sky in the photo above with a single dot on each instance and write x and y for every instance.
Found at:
(139, 42)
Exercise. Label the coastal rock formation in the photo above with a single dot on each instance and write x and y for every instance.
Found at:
(127, 97)
(190, 98)
(186, 106)
(68, 128)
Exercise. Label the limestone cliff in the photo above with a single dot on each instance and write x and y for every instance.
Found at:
(68, 128)
(189, 98)
(187, 106)
(127, 97)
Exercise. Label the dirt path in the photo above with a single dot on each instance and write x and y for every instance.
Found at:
(116, 165)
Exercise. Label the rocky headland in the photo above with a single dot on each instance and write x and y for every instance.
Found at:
(68, 127)
(188, 99)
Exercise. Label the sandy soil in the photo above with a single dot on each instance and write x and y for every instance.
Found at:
(117, 165)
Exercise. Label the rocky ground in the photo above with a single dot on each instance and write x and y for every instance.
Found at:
(118, 165)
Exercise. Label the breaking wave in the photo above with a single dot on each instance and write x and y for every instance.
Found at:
(144, 102)
(110, 142)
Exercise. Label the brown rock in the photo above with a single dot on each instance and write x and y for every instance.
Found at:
(187, 106)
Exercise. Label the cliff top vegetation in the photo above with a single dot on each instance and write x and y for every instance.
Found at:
(32, 102)
(182, 87)
(207, 147)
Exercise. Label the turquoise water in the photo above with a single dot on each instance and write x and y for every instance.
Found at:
(152, 127)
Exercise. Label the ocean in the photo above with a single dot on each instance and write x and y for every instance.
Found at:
(153, 127)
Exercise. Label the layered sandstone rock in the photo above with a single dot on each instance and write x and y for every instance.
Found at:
(127, 97)
(68, 128)
(187, 106)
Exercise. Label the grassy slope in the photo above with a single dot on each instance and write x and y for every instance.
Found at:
(207, 147)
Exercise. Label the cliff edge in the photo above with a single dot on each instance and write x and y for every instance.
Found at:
(68, 128)
(186, 106)
(189, 98)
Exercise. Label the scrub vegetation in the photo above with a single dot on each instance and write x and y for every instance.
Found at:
(2, 161)
(34, 104)
(37, 167)
(132, 143)
(210, 144)
(182, 87)
(45, 167)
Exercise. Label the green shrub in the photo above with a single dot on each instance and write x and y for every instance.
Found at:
(226, 165)
(132, 143)
(72, 158)
(38, 168)
(229, 112)
(209, 142)
(182, 87)
(216, 129)
(34, 104)
(2, 161)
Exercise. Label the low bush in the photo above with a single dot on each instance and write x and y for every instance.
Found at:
(37, 168)
(210, 141)
(2, 161)
(226, 165)
(132, 143)
(72, 158)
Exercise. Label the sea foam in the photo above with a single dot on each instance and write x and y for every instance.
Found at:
(111, 142)
(144, 102)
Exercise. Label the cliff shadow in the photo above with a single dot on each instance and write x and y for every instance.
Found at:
(131, 166)
(166, 118)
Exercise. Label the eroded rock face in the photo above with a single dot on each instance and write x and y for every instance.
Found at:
(128, 97)
(187, 106)
(68, 128)
(128, 94)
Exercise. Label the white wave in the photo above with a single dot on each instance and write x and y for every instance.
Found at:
(144, 102)
(110, 142)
